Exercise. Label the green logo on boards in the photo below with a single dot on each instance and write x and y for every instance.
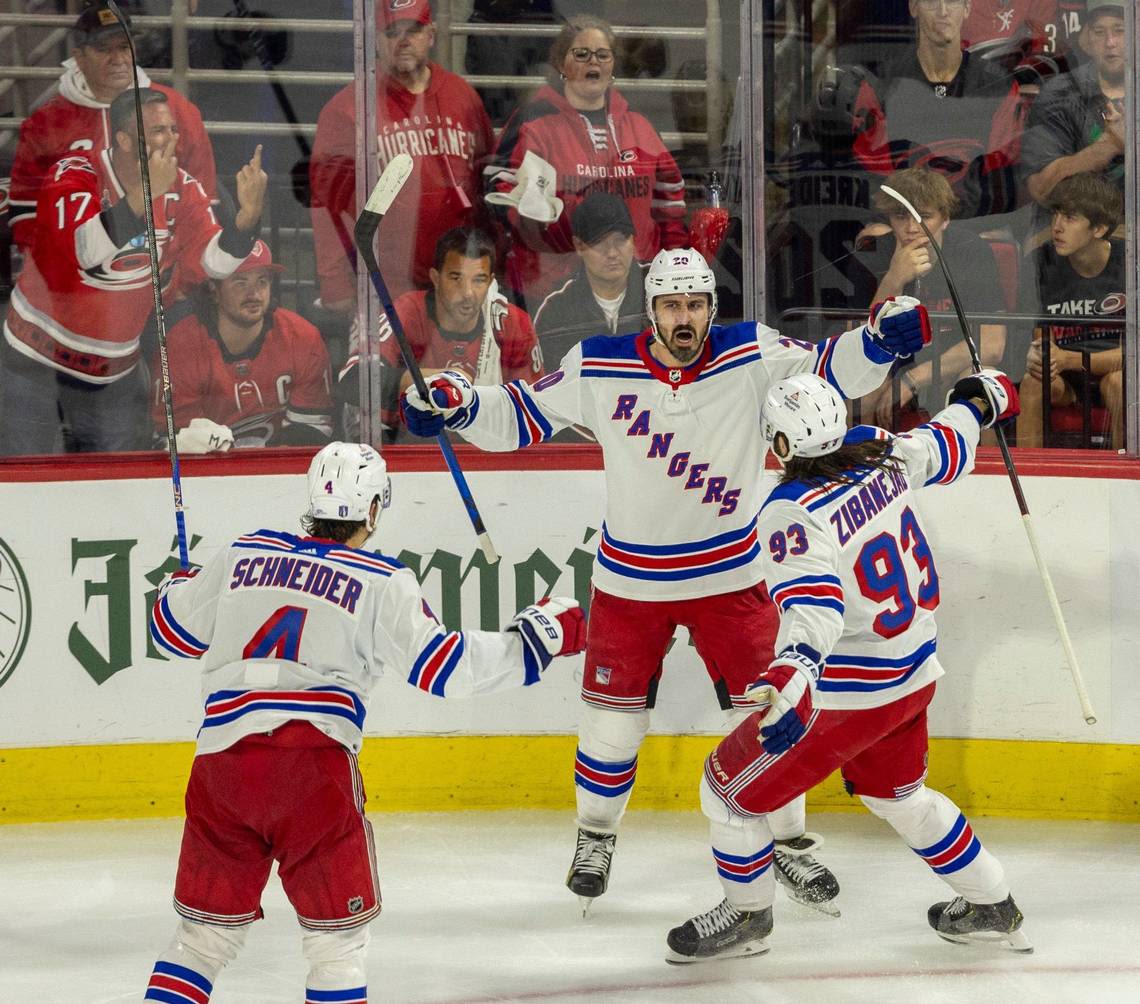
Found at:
(15, 612)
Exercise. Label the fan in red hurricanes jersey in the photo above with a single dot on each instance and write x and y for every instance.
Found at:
(78, 119)
(244, 371)
(81, 302)
(576, 136)
(462, 323)
(422, 110)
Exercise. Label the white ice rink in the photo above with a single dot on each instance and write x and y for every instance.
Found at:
(475, 911)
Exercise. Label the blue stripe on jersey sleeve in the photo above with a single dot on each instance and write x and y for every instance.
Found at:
(439, 684)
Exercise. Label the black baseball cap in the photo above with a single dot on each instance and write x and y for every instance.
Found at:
(599, 214)
(96, 22)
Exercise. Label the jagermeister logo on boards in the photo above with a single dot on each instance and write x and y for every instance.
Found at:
(15, 612)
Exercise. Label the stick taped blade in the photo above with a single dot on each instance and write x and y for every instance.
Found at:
(905, 203)
(389, 185)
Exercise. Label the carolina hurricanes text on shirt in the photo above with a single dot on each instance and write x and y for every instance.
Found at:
(632, 186)
(679, 462)
(865, 504)
(290, 573)
(426, 136)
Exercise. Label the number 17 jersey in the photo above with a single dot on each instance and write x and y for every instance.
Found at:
(850, 569)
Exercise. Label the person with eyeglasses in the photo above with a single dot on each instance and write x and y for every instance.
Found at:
(423, 110)
(938, 105)
(577, 136)
(1077, 123)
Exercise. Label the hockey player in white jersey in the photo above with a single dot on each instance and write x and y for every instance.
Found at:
(676, 410)
(291, 633)
(853, 575)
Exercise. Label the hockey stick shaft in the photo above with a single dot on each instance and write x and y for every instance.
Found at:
(1011, 470)
(387, 187)
(156, 289)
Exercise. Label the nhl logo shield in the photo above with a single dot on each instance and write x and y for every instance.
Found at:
(356, 904)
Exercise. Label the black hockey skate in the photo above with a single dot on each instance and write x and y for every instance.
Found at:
(722, 933)
(967, 923)
(805, 879)
(590, 870)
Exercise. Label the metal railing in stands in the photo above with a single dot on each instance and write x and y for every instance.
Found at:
(1101, 324)
(181, 76)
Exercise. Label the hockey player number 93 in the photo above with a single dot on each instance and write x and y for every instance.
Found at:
(882, 575)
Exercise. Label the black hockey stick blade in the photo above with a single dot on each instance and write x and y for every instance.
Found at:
(383, 194)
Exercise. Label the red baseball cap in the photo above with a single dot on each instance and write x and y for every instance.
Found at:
(259, 257)
(390, 12)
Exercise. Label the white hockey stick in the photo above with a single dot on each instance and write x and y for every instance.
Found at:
(387, 188)
(1014, 480)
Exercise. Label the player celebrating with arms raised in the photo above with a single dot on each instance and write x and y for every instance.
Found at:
(676, 410)
(292, 633)
(850, 569)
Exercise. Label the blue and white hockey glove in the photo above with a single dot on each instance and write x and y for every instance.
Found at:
(553, 626)
(992, 386)
(452, 397)
(899, 325)
(787, 685)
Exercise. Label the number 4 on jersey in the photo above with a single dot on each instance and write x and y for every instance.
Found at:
(279, 637)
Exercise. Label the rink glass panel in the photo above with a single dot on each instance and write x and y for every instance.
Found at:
(789, 256)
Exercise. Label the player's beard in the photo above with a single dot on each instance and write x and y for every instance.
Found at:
(685, 353)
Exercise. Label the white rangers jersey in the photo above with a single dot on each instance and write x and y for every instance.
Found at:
(850, 569)
(682, 447)
(293, 628)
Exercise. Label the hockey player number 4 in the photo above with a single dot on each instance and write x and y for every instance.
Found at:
(279, 637)
(883, 578)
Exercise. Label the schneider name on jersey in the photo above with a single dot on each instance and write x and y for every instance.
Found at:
(849, 566)
(331, 618)
(683, 450)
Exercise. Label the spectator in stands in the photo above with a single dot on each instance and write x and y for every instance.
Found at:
(77, 120)
(577, 136)
(937, 106)
(1077, 123)
(245, 371)
(462, 323)
(1078, 277)
(606, 293)
(71, 337)
(906, 265)
(817, 202)
(423, 110)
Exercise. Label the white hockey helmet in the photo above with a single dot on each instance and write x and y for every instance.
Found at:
(344, 478)
(682, 270)
(809, 412)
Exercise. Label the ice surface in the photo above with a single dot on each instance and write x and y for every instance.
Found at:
(475, 911)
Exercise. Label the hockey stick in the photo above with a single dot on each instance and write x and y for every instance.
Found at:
(1014, 480)
(387, 188)
(156, 288)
